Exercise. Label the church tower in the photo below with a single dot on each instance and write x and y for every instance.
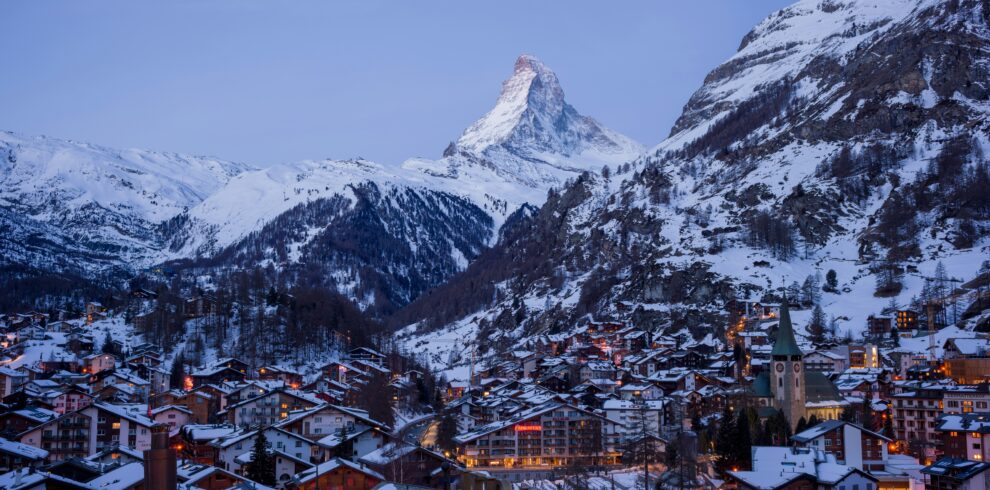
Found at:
(787, 371)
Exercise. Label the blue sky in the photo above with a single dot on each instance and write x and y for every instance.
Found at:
(267, 82)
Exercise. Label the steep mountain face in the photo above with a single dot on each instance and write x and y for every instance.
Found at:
(379, 244)
(845, 135)
(77, 209)
(532, 137)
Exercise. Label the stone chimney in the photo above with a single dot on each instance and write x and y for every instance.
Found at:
(159, 461)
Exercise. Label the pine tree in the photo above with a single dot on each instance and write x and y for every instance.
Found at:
(802, 425)
(744, 442)
(808, 292)
(446, 431)
(375, 398)
(725, 440)
(108, 347)
(177, 376)
(817, 326)
(831, 281)
(261, 469)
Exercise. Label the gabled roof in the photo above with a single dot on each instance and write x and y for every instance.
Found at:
(829, 425)
(332, 465)
(960, 469)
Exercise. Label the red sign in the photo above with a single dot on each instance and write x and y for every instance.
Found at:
(528, 428)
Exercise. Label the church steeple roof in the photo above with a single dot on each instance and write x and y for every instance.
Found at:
(785, 344)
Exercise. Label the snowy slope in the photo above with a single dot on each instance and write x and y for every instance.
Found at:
(846, 135)
(530, 141)
(81, 208)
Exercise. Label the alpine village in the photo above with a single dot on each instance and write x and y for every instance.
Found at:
(790, 292)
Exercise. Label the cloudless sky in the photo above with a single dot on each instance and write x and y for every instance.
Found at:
(268, 82)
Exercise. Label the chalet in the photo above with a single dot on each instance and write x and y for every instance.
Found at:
(96, 363)
(824, 361)
(174, 416)
(146, 358)
(266, 409)
(194, 441)
(217, 374)
(879, 327)
(337, 473)
(851, 444)
(345, 373)
(71, 399)
(94, 312)
(401, 461)
(325, 419)
(956, 474)
(966, 399)
(287, 376)
(965, 436)
(630, 416)
(906, 320)
(640, 391)
(14, 455)
(367, 355)
(116, 455)
(17, 421)
(197, 475)
(793, 468)
(11, 381)
(200, 306)
(752, 338)
(596, 371)
(967, 360)
(644, 363)
(64, 437)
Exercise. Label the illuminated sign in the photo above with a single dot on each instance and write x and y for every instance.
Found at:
(528, 428)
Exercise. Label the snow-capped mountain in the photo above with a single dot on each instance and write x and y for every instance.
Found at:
(77, 208)
(532, 136)
(421, 221)
(845, 135)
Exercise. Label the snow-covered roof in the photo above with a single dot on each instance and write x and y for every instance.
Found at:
(22, 450)
(123, 477)
(334, 464)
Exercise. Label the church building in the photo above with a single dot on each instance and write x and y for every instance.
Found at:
(788, 388)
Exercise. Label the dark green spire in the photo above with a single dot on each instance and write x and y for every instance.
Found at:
(785, 344)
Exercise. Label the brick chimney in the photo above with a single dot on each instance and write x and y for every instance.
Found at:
(159, 461)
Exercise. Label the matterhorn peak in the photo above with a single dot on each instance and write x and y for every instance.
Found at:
(532, 120)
